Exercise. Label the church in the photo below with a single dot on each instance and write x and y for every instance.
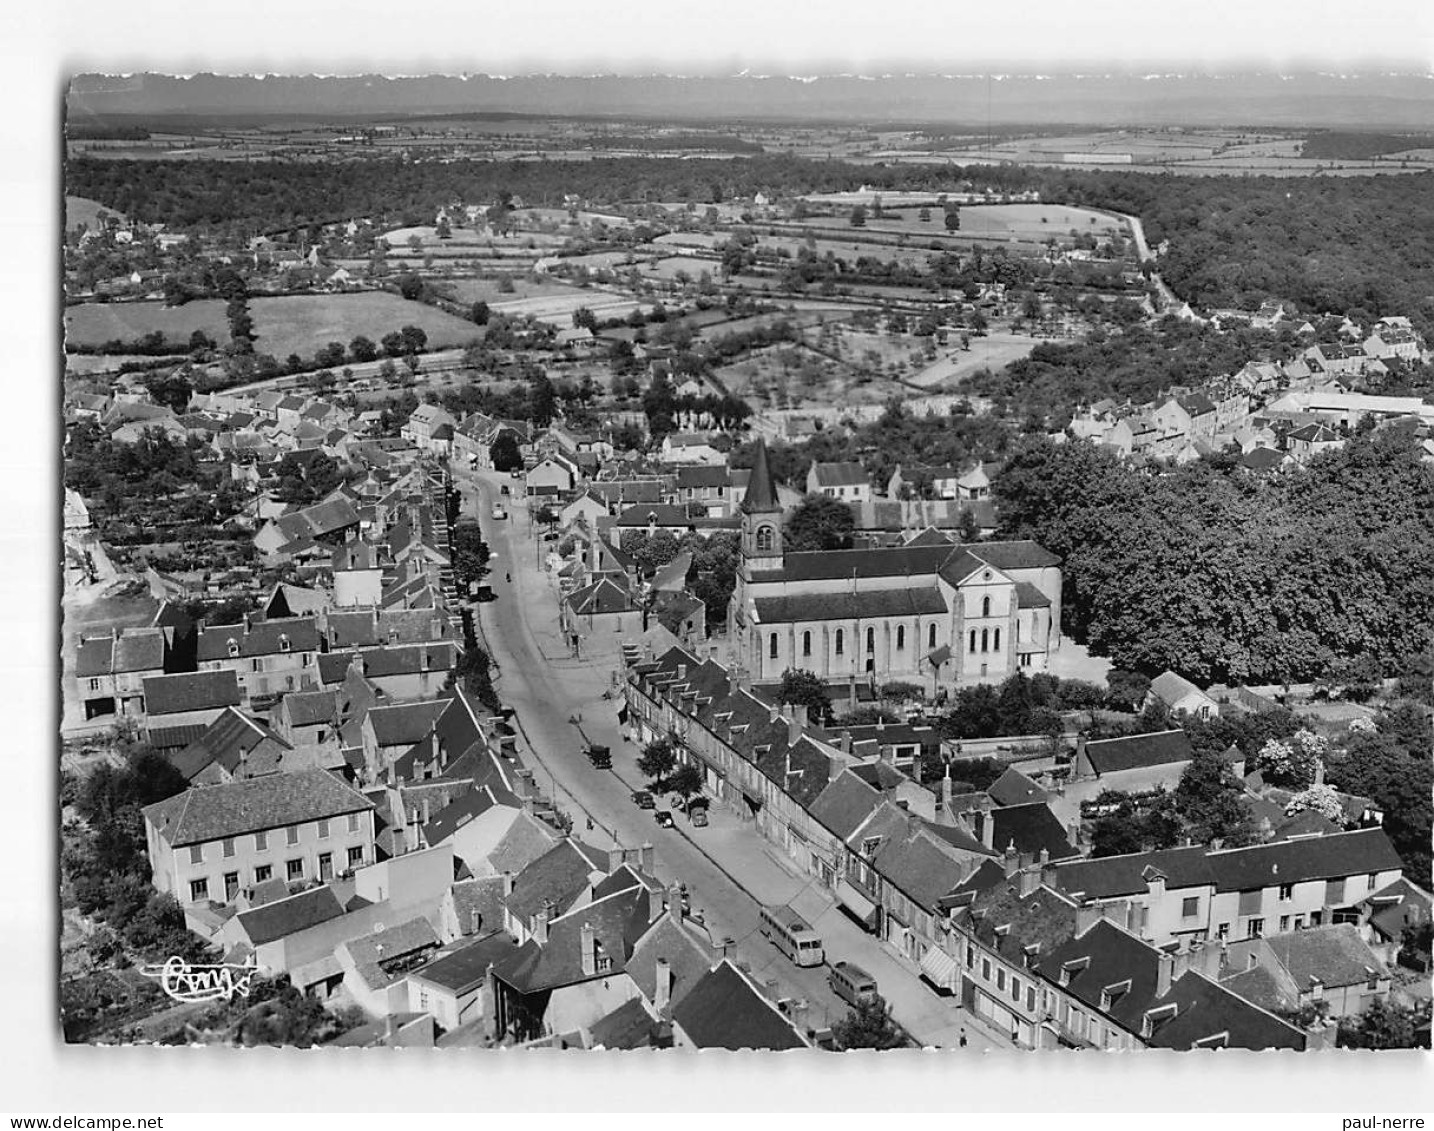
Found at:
(928, 612)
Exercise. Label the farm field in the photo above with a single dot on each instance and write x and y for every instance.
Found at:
(94, 323)
(85, 363)
(558, 309)
(290, 324)
(1036, 221)
(994, 352)
(672, 266)
(303, 323)
(468, 238)
(486, 290)
(79, 211)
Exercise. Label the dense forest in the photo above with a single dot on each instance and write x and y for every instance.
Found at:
(1338, 244)
(1220, 574)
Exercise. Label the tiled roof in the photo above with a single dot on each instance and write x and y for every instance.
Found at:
(139, 650)
(454, 816)
(190, 691)
(262, 638)
(603, 596)
(405, 723)
(1110, 958)
(1031, 828)
(374, 955)
(1013, 788)
(688, 959)
(629, 1026)
(462, 969)
(840, 474)
(252, 805)
(285, 917)
(526, 841)
(616, 922)
(478, 903)
(760, 496)
(559, 876)
(390, 660)
(922, 868)
(1016, 926)
(309, 708)
(1112, 876)
(1334, 955)
(844, 804)
(1113, 755)
(725, 1011)
(1356, 853)
(863, 604)
(1029, 597)
(228, 740)
(826, 565)
(1204, 1010)
(94, 656)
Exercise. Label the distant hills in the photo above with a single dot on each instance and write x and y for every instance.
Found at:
(1365, 101)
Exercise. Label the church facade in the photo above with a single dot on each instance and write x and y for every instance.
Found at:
(928, 612)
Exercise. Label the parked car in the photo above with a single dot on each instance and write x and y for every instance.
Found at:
(663, 819)
(698, 816)
(599, 756)
(499, 512)
(643, 799)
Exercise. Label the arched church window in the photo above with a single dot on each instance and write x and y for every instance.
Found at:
(806, 644)
(985, 606)
(871, 640)
(773, 646)
(766, 537)
(839, 642)
(931, 636)
(900, 637)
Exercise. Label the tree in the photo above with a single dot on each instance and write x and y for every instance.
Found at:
(1322, 799)
(542, 401)
(1292, 763)
(657, 761)
(1385, 1025)
(479, 313)
(470, 553)
(170, 388)
(1126, 690)
(1210, 800)
(363, 349)
(868, 1025)
(545, 516)
(686, 781)
(858, 216)
(326, 357)
(806, 689)
(819, 522)
(505, 453)
(953, 219)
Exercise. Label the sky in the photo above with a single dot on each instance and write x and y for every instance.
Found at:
(763, 36)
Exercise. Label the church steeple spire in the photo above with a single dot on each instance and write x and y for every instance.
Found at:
(761, 495)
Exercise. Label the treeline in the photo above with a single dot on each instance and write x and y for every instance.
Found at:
(1222, 575)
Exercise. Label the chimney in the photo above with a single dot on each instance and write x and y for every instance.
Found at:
(1319, 771)
(674, 904)
(1012, 859)
(1164, 974)
(1048, 874)
(796, 721)
(1030, 880)
(681, 672)
(987, 827)
(540, 923)
(846, 742)
(662, 993)
(946, 790)
(587, 942)
(1087, 916)
(616, 858)
(647, 858)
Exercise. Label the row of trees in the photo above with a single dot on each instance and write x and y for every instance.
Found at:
(1224, 576)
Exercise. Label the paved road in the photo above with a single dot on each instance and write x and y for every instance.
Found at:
(729, 869)
(1168, 301)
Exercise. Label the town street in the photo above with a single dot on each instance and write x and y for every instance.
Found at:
(727, 866)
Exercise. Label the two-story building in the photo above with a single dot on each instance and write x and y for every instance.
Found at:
(269, 658)
(206, 843)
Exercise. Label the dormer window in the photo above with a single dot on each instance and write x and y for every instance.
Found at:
(283, 642)
(233, 646)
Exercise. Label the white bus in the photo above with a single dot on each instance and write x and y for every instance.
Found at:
(792, 935)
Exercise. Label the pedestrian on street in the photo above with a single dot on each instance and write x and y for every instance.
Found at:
(963, 1038)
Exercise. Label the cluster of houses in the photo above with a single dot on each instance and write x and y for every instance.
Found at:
(988, 896)
(1276, 413)
(429, 883)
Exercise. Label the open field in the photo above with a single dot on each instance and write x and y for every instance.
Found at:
(468, 238)
(952, 366)
(79, 211)
(94, 323)
(486, 290)
(84, 363)
(558, 309)
(291, 324)
(303, 323)
(1036, 221)
(675, 265)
